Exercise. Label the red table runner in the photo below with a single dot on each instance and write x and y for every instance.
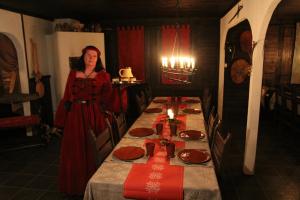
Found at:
(157, 179)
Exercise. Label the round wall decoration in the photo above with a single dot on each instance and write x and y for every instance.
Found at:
(239, 70)
(246, 41)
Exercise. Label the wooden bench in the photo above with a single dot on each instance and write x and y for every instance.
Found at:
(24, 121)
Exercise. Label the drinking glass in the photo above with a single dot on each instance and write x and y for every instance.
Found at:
(159, 128)
(170, 147)
(173, 128)
(150, 148)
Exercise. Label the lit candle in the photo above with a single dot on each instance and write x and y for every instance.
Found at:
(188, 62)
(181, 60)
(170, 113)
(172, 61)
(164, 61)
(193, 63)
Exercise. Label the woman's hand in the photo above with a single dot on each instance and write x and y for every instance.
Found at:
(57, 131)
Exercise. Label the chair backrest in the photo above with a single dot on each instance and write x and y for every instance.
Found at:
(103, 144)
(141, 101)
(211, 119)
(148, 93)
(206, 102)
(216, 127)
(213, 122)
(287, 97)
(217, 150)
(119, 125)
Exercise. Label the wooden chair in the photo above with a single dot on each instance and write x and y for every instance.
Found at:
(206, 102)
(211, 119)
(216, 127)
(119, 126)
(285, 110)
(214, 123)
(218, 148)
(148, 93)
(122, 124)
(141, 102)
(103, 144)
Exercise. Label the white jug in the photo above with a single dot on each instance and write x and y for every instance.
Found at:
(125, 72)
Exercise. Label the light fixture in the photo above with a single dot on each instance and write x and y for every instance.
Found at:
(177, 67)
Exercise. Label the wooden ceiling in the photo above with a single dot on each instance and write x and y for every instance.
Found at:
(288, 10)
(119, 9)
(97, 10)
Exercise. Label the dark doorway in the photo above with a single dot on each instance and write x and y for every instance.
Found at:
(238, 58)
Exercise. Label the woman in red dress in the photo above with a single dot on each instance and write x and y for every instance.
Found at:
(87, 94)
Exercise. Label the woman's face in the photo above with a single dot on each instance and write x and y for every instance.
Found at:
(90, 58)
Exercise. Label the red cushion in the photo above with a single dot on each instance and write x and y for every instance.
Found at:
(19, 121)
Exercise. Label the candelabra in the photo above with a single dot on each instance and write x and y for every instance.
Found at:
(178, 69)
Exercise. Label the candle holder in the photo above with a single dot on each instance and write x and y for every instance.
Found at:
(174, 120)
(164, 142)
(173, 129)
(171, 120)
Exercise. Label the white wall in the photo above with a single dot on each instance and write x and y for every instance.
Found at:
(258, 13)
(36, 29)
(11, 26)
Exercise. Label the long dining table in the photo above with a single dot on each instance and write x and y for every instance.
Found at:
(198, 181)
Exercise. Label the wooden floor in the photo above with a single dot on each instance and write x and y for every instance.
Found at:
(32, 174)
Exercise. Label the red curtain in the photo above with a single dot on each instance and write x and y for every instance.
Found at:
(131, 50)
(169, 47)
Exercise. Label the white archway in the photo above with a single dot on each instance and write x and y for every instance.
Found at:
(259, 18)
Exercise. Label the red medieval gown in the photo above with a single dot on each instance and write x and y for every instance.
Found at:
(80, 109)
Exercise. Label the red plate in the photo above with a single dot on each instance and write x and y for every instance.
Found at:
(191, 135)
(141, 132)
(192, 101)
(129, 153)
(192, 111)
(160, 100)
(153, 110)
(193, 156)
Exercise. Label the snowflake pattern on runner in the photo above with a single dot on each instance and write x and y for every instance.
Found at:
(155, 175)
(161, 153)
(152, 187)
(158, 167)
(159, 160)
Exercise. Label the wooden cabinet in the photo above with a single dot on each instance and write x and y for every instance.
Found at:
(42, 106)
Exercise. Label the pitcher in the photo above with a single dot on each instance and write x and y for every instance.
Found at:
(125, 72)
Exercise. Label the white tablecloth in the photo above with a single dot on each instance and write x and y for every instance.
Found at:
(199, 182)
